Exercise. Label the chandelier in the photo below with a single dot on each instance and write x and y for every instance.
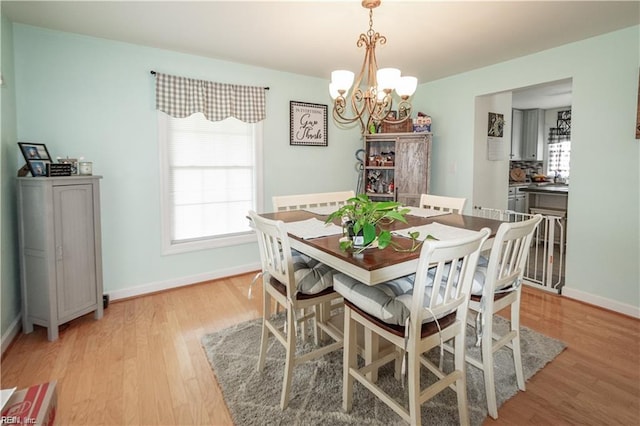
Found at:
(371, 99)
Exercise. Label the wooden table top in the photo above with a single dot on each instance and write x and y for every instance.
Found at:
(374, 265)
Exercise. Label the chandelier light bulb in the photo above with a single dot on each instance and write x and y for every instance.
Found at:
(333, 91)
(406, 86)
(388, 78)
(342, 80)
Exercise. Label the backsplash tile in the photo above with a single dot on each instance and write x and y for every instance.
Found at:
(529, 167)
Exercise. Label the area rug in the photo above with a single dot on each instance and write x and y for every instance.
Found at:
(253, 397)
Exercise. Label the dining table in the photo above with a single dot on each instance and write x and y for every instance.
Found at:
(310, 235)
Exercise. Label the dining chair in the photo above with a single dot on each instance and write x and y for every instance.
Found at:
(300, 201)
(439, 202)
(295, 284)
(415, 313)
(497, 285)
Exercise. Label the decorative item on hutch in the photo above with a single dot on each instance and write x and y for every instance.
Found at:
(371, 99)
(422, 123)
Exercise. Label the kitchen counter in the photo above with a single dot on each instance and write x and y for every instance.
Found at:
(550, 189)
(547, 198)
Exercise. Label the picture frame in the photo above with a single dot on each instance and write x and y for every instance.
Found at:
(638, 111)
(37, 157)
(34, 151)
(38, 168)
(496, 125)
(308, 124)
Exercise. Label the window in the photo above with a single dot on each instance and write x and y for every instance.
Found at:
(559, 154)
(210, 180)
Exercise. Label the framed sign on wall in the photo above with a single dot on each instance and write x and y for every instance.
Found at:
(308, 124)
(496, 125)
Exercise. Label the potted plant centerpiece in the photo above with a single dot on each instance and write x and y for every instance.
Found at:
(362, 219)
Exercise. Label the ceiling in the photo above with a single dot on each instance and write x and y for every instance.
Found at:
(428, 39)
(544, 96)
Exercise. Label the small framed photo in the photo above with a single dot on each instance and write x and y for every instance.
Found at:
(37, 157)
(38, 168)
(308, 124)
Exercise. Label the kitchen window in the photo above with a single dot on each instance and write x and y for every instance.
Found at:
(211, 177)
(558, 156)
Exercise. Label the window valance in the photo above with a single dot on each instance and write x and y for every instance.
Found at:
(181, 97)
(561, 133)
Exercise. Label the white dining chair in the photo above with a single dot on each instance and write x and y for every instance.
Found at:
(414, 313)
(295, 284)
(497, 285)
(319, 199)
(439, 202)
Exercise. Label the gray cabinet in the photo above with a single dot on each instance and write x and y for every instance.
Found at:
(517, 200)
(532, 134)
(60, 250)
(527, 134)
(397, 166)
(516, 134)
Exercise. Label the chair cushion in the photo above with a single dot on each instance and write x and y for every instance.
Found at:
(428, 328)
(299, 296)
(389, 301)
(479, 276)
(311, 276)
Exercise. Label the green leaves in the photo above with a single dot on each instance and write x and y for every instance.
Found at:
(364, 216)
(384, 239)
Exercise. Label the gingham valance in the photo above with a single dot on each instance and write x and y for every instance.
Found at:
(180, 97)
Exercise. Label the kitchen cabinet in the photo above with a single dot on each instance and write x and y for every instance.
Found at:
(532, 134)
(516, 134)
(397, 166)
(517, 200)
(527, 134)
(60, 250)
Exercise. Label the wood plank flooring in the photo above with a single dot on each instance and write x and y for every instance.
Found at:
(143, 364)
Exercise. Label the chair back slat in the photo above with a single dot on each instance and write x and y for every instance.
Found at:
(301, 201)
(275, 251)
(439, 202)
(445, 271)
(509, 254)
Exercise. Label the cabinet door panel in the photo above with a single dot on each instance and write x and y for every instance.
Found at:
(75, 249)
(411, 170)
(532, 136)
(516, 134)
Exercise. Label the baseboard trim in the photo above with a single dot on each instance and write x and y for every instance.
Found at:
(12, 332)
(602, 302)
(157, 286)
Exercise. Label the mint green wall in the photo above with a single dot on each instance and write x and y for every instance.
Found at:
(603, 226)
(95, 98)
(9, 270)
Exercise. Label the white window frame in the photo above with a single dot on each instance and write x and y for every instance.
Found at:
(173, 247)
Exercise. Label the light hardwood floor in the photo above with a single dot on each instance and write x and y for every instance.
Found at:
(143, 362)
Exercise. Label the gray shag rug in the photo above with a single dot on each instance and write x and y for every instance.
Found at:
(253, 398)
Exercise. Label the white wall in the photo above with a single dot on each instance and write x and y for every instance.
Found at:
(490, 177)
(603, 249)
